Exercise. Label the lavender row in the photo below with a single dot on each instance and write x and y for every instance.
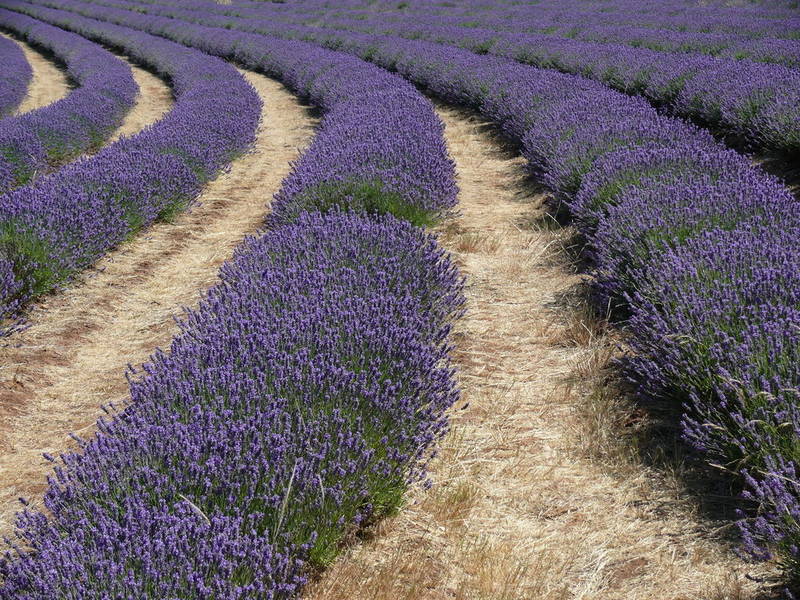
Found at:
(394, 158)
(301, 399)
(592, 23)
(723, 45)
(584, 26)
(750, 21)
(15, 77)
(64, 221)
(696, 240)
(44, 139)
(760, 106)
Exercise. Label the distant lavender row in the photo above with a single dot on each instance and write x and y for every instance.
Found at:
(305, 393)
(726, 44)
(691, 235)
(757, 102)
(749, 20)
(570, 20)
(723, 45)
(15, 76)
(43, 139)
(752, 21)
(394, 158)
(65, 221)
(301, 399)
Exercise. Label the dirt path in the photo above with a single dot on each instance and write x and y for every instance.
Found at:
(48, 84)
(73, 357)
(519, 508)
(153, 101)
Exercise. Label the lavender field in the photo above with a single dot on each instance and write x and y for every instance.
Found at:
(447, 299)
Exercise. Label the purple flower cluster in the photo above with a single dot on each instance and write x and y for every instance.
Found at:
(380, 146)
(65, 221)
(301, 399)
(42, 139)
(695, 239)
(14, 78)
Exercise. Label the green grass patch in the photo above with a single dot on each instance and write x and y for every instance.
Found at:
(368, 196)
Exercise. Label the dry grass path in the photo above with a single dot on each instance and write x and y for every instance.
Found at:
(48, 84)
(154, 100)
(522, 507)
(55, 375)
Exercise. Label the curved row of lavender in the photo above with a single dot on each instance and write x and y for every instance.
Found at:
(755, 20)
(43, 139)
(303, 396)
(774, 41)
(65, 221)
(397, 164)
(727, 45)
(696, 240)
(15, 76)
(757, 103)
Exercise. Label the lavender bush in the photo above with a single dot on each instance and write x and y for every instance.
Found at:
(43, 139)
(15, 77)
(394, 158)
(301, 398)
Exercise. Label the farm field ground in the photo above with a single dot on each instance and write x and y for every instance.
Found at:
(153, 102)
(371, 300)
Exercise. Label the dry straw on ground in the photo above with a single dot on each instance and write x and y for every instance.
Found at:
(55, 375)
(534, 496)
(154, 100)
